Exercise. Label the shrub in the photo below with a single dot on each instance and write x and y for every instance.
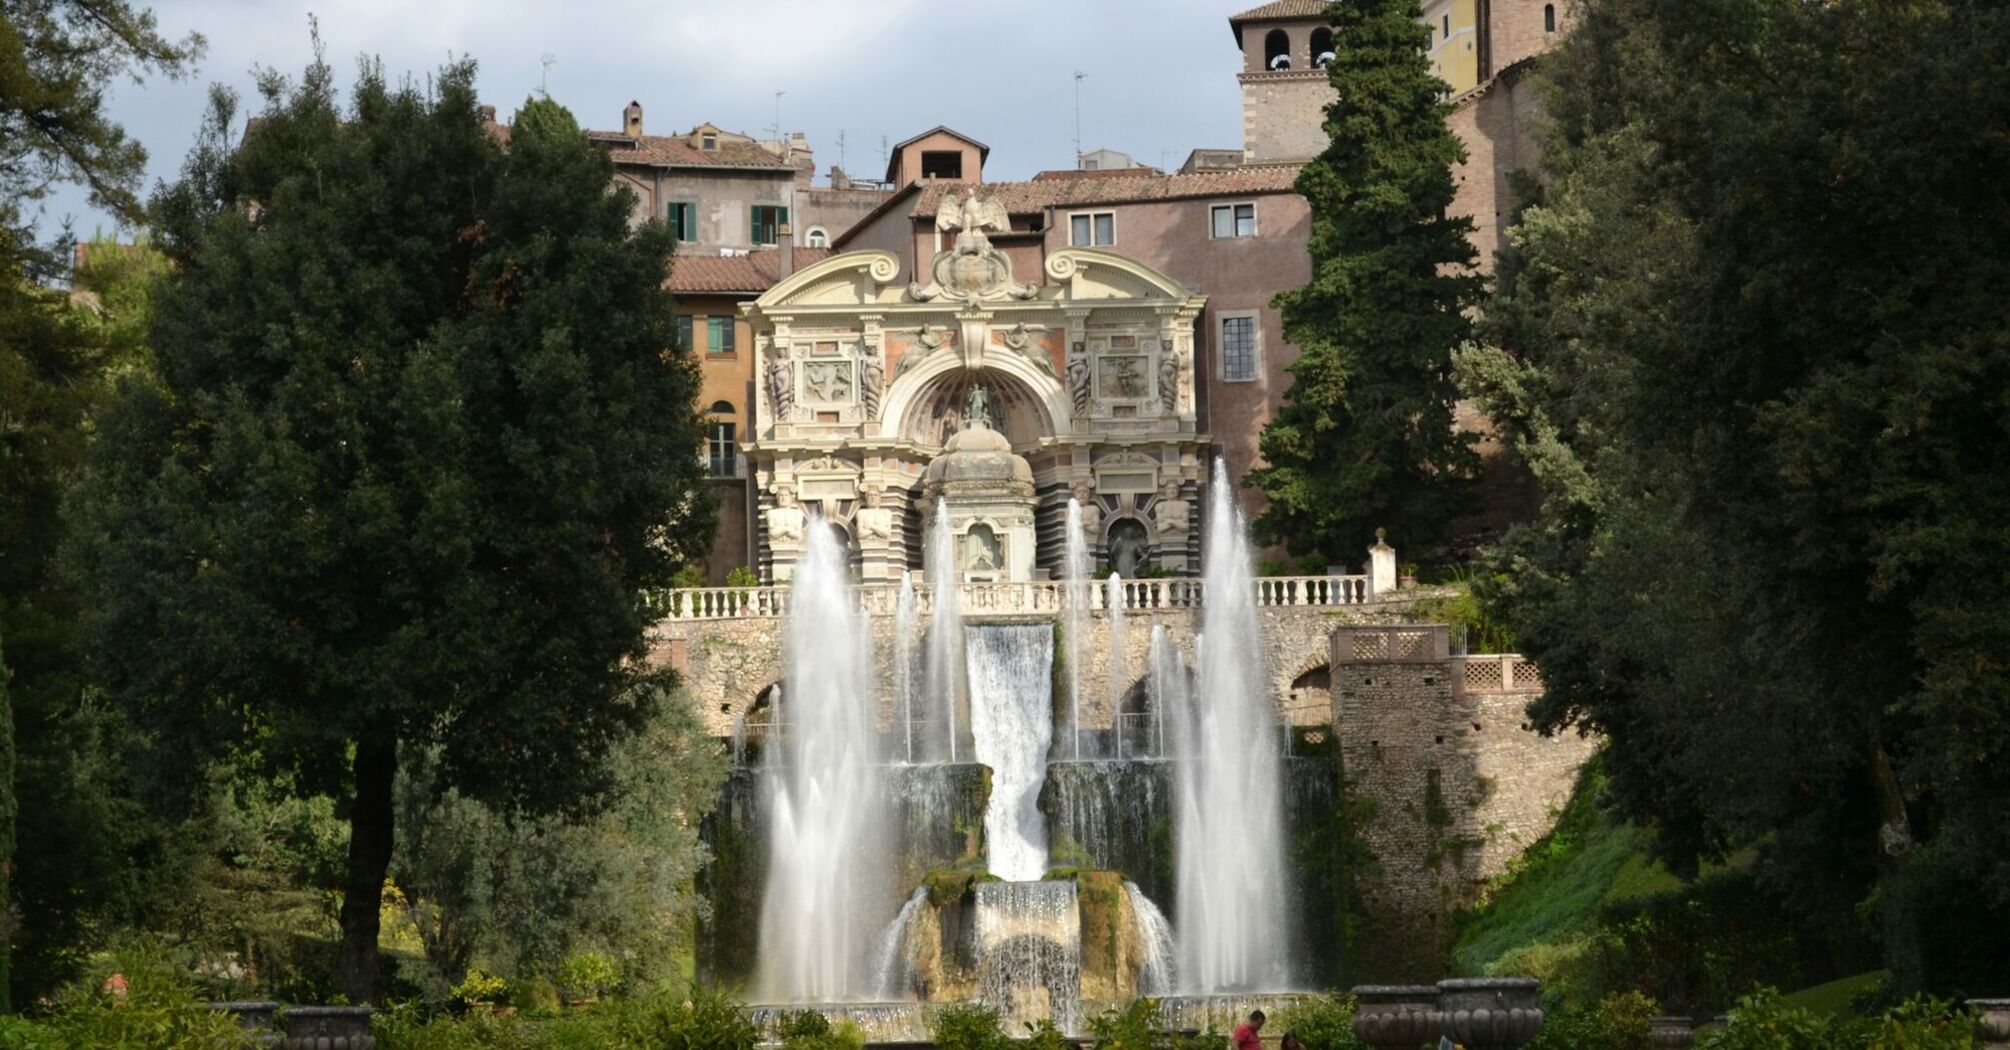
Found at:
(1323, 1023)
(742, 576)
(1133, 1027)
(1616, 1022)
(479, 987)
(588, 975)
(534, 995)
(967, 1028)
(1043, 1035)
(705, 1020)
(159, 1011)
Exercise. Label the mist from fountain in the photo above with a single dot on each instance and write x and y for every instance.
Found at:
(904, 615)
(1230, 831)
(823, 786)
(1012, 724)
(1075, 566)
(944, 660)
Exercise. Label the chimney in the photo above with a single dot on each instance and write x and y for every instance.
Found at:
(631, 120)
(488, 114)
(785, 249)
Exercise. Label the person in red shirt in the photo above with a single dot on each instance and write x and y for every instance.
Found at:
(1247, 1034)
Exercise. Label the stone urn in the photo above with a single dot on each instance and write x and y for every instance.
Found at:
(1490, 1013)
(1992, 1023)
(254, 1016)
(1396, 1016)
(329, 1028)
(1671, 1033)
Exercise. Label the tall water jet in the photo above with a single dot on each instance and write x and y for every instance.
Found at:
(903, 659)
(1230, 833)
(945, 628)
(823, 789)
(1012, 723)
(1075, 566)
(1117, 671)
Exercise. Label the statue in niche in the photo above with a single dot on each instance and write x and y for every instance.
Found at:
(1092, 510)
(977, 410)
(1169, 382)
(874, 520)
(1130, 551)
(1171, 513)
(785, 519)
(980, 550)
(873, 376)
(780, 396)
(1078, 379)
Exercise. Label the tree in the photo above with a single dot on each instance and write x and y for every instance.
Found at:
(419, 441)
(1365, 437)
(1758, 365)
(8, 812)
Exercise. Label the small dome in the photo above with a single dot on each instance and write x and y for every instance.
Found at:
(978, 457)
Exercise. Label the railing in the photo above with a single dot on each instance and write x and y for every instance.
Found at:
(1005, 599)
(1499, 673)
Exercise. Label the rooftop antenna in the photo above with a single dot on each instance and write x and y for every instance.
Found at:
(840, 149)
(548, 60)
(1079, 77)
(777, 129)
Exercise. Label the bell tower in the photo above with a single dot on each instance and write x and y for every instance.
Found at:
(1285, 45)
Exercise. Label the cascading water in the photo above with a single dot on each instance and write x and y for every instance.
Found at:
(945, 629)
(903, 659)
(823, 790)
(1029, 937)
(1116, 676)
(1012, 722)
(1230, 832)
(1158, 952)
(892, 972)
(1075, 565)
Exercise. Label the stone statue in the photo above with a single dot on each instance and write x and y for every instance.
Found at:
(785, 519)
(874, 520)
(977, 411)
(780, 395)
(1092, 511)
(1171, 513)
(1078, 379)
(1129, 550)
(971, 217)
(1182, 359)
(980, 550)
(1169, 381)
(873, 377)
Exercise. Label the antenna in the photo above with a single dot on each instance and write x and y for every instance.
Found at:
(841, 149)
(777, 128)
(1079, 77)
(548, 60)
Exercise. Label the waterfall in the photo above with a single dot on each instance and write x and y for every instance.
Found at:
(1230, 833)
(1075, 566)
(903, 657)
(894, 975)
(822, 785)
(1116, 671)
(1029, 937)
(1157, 951)
(1012, 722)
(945, 627)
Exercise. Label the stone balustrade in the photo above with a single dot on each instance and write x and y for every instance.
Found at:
(1497, 673)
(1035, 597)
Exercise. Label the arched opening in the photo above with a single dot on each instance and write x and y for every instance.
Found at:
(1322, 47)
(722, 451)
(983, 554)
(1549, 18)
(817, 238)
(1130, 548)
(1276, 50)
(1310, 701)
(937, 412)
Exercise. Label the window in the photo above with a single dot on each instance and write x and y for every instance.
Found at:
(1238, 348)
(1092, 229)
(1448, 27)
(1232, 220)
(684, 332)
(708, 141)
(719, 335)
(1549, 18)
(720, 449)
(1322, 47)
(1276, 50)
(817, 238)
(941, 164)
(768, 221)
(683, 220)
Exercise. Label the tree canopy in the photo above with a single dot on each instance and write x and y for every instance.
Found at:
(418, 440)
(1753, 345)
(1365, 437)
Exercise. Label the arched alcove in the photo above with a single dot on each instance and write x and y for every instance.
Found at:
(937, 409)
(1130, 547)
(1276, 50)
(1322, 47)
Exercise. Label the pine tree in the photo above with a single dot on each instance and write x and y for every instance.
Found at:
(1365, 437)
(419, 442)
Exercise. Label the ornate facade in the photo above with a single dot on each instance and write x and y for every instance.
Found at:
(1002, 398)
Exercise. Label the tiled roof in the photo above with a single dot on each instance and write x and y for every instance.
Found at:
(1280, 11)
(675, 151)
(754, 272)
(1103, 173)
(1023, 197)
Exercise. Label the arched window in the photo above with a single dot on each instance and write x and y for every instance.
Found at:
(722, 458)
(1322, 47)
(817, 238)
(1276, 50)
(1549, 18)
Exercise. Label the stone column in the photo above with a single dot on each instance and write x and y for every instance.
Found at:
(1381, 566)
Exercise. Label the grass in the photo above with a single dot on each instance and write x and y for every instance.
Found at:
(1833, 999)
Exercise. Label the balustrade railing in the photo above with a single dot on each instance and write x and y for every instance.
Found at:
(1499, 673)
(1004, 599)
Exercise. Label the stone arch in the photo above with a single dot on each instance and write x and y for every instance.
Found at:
(1322, 47)
(1115, 527)
(1276, 50)
(932, 408)
(1310, 699)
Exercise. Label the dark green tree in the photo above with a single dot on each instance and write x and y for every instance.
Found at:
(1365, 437)
(420, 440)
(1753, 346)
(8, 812)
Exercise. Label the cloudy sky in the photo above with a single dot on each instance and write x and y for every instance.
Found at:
(1161, 73)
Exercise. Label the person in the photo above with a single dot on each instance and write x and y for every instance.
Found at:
(1247, 1034)
(1291, 1042)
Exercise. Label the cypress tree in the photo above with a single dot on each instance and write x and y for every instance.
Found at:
(1365, 437)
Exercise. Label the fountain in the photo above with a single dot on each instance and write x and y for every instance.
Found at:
(1075, 567)
(823, 794)
(945, 626)
(1115, 640)
(903, 659)
(1012, 721)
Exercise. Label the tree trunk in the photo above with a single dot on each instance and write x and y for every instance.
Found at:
(370, 827)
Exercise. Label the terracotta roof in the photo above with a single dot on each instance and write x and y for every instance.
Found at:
(1102, 173)
(753, 273)
(1039, 194)
(675, 151)
(893, 154)
(1281, 10)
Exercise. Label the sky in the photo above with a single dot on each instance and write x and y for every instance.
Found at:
(1160, 73)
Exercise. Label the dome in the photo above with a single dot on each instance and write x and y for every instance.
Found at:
(979, 459)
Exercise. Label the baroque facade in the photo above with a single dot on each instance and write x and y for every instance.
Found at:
(995, 395)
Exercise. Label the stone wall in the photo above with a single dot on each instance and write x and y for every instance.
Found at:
(1284, 115)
